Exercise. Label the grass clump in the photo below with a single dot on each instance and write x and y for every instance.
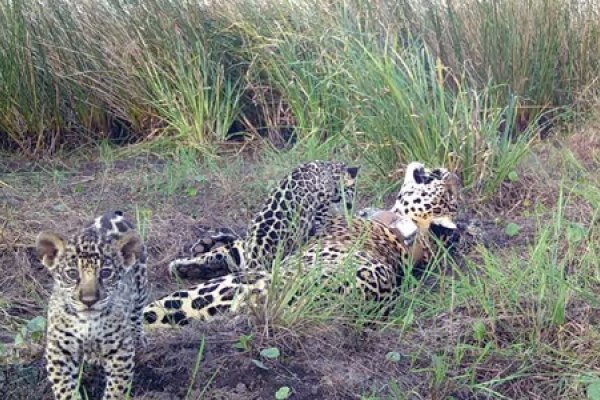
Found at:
(381, 96)
(542, 50)
(441, 82)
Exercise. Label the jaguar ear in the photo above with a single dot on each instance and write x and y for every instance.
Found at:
(419, 176)
(353, 171)
(415, 173)
(437, 173)
(49, 246)
(130, 246)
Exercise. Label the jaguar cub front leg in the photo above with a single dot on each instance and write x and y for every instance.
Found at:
(62, 365)
(118, 366)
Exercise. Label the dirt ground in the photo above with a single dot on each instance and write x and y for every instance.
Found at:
(331, 362)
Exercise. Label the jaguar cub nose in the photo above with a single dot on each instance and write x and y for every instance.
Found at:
(88, 300)
(89, 297)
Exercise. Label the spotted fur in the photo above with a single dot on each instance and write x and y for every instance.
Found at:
(426, 196)
(95, 309)
(379, 254)
(297, 208)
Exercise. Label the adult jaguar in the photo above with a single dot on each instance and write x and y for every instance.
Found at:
(421, 197)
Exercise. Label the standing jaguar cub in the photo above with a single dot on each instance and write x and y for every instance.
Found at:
(94, 313)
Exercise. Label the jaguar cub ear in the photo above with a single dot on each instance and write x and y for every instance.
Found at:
(49, 246)
(130, 246)
(353, 171)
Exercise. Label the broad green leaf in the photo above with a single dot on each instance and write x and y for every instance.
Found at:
(271, 352)
(593, 391)
(393, 356)
(37, 324)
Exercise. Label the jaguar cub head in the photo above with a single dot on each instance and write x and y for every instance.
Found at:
(88, 267)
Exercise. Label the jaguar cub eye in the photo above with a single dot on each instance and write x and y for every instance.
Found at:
(106, 273)
(72, 274)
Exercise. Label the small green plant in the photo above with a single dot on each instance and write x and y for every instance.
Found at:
(191, 191)
(576, 233)
(512, 229)
(270, 353)
(32, 331)
(513, 176)
(283, 393)
(244, 343)
(393, 356)
(440, 369)
(479, 330)
(593, 390)
(143, 217)
(106, 153)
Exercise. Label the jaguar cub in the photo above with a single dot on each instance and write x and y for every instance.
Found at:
(299, 207)
(94, 313)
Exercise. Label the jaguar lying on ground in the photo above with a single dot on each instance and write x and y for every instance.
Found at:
(95, 309)
(378, 253)
(223, 253)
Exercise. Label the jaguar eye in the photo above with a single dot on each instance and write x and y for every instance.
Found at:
(72, 274)
(106, 273)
